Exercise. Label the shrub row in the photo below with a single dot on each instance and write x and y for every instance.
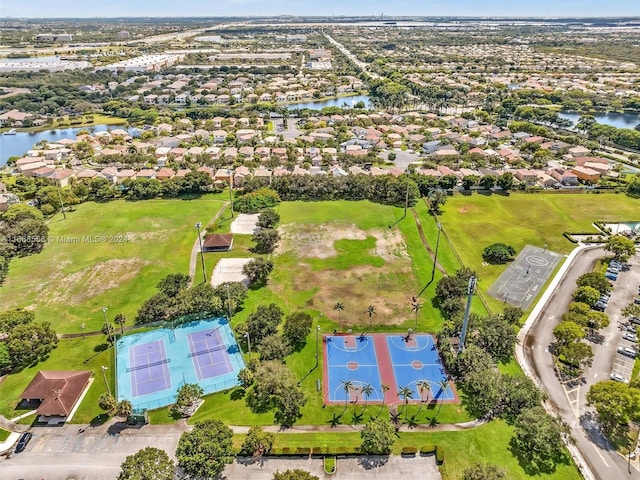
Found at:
(428, 449)
(306, 451)
(439, 455)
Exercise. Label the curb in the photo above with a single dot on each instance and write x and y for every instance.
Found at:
(524, 364)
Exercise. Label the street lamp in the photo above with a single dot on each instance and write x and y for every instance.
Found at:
(317, 345)
(106, 323)
(104, 375)
(230, 190)
(435, 256)
(248, 337)
(204, 271)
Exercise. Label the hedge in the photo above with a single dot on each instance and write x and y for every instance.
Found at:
(428, 449)
(409, 450)
(303, 451)
(439, 455)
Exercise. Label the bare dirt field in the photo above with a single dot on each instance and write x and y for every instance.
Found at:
(373, 268)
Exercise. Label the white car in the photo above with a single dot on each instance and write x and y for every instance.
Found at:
(629, 352)
(630, 336)
(618, 378)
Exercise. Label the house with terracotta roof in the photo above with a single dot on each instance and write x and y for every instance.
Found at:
(218, 242)
(55, 394)
(586, 174)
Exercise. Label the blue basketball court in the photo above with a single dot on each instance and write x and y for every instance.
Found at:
(352, 362)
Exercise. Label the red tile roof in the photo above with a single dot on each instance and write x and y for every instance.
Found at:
(58, 390)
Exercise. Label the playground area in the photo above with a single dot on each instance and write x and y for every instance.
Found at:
(523, 279)
(352, 362)
(152, 366)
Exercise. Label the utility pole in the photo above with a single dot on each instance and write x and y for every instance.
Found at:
(106, 323)
(465, 323)
(317, 345)
(104, 375)
(64, 214)
(435, 256)
(204, 271)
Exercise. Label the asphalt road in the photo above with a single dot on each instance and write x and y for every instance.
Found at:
(570, 400)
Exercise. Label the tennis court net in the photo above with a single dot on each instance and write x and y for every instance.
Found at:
(148, 365)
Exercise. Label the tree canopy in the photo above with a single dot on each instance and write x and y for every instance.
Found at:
(297, 326)
(257, 442)
(205, 450)
(621, 247)
(147, 464)
(296, 474)
(498, 253)
(378, 436)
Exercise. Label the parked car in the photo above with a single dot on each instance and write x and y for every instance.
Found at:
(635, 320)
(627, 351)
(631, 328)
(613, 270)
(600, 306)
(611, 276)
(630, 336)
(24, 440)
(618, 378)
(636, 300)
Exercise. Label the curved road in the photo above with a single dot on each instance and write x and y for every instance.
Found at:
(570, 401)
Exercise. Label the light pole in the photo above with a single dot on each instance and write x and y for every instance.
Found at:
(104, 375)
(248, 341)
(435, 256)
(106, 323)
(317, 345)
(204, 271)
(230, 190)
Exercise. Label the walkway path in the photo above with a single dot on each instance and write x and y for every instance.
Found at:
(196, 247)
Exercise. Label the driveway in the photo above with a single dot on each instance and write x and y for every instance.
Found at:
(570, 401)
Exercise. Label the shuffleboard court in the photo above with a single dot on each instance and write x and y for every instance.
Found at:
(523, 279)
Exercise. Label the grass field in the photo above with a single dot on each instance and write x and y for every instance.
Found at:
(105, 254)
(473, 222)
(4, 434)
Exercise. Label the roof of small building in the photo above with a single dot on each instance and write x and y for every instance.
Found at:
(58, 390)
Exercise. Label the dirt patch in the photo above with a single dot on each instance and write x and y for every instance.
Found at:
(315, 241)
(143, 236)
(390, 244)
(90, 282)
(464, 209)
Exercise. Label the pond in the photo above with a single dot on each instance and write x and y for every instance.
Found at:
(22, 142)
(343, 102)
(618, 120)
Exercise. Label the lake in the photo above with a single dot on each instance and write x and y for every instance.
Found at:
(618, 120)
(20, 143)
(334, 102)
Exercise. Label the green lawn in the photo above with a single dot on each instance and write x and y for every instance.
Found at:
(69, 283)
(4, 434)
(473, 222)
(488, 443)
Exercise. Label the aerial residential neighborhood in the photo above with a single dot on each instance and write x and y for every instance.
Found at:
(298, 242)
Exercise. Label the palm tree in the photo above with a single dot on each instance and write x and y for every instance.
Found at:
(371, 311)
(406, 393)
(120, 319)
(385, 388)
(415, 307)
(124, 408)
(339, 306)
(444, 384)
(107, 402)
(347, 385)
(366, 391)
(423, 386)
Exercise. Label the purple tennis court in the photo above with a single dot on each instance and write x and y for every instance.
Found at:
(208, 353)
(152, 366)
(149, 370)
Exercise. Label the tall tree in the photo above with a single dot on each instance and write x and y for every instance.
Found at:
(378, 436)
(621, 247)
(384, 388)
(539, 439)
(257, 271)
(407, 394)
(107, 402)
(616, 403)
(32, 342)
(339, 307)
(206, 449)
(264, 322)
(120, 319)
(124, 408)
(370, 311)
(366, 391)
(150, 463)
(347, 386)
(297, 327)
(257, 442)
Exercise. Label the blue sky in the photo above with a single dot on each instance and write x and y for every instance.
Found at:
(158, 8)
